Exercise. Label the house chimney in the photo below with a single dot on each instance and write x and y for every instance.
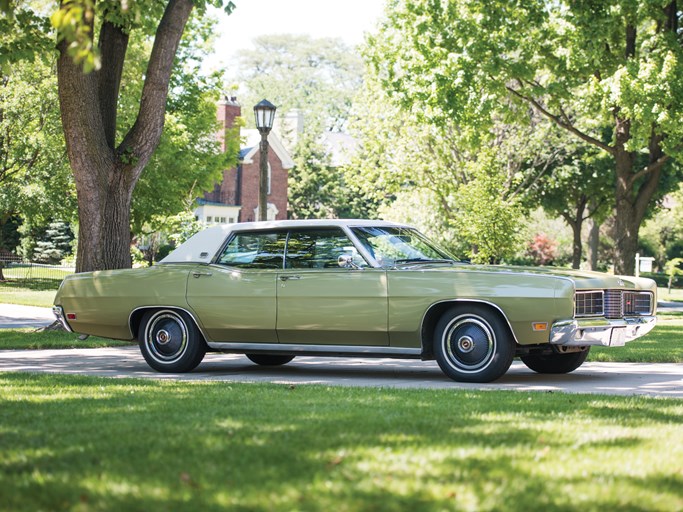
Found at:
(228, 110)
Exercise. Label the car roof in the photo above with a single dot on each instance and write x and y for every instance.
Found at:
(202, 247)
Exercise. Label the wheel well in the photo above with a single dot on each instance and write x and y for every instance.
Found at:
(136, 318)
(435, 312)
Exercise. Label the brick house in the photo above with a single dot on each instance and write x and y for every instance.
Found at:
(235, 198)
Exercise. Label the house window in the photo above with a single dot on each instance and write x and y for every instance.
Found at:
(231, 220)
(222, 220)
(209, 219)
(270, 174)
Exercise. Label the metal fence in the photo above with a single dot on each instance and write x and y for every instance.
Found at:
(37, 276)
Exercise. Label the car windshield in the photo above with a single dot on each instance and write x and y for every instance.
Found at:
(391, 246)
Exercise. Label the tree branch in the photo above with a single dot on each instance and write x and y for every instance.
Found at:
(648, 169)
(144, 136)
(113, 45)
(560, 122)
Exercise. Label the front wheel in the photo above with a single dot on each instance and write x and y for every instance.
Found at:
(555, 363)
(170, 341)
(473, 344)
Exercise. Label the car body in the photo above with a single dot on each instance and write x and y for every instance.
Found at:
(276, 290)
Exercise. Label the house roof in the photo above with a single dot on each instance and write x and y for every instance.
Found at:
(252, 139)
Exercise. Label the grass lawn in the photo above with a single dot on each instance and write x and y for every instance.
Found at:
(27, 339)
(14, 292)
(676, 294)
(81, 443)
(664, 344)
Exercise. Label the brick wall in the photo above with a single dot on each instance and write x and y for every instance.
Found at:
(227, 191)
(250, 187)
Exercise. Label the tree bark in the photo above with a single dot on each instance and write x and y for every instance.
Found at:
(106, 175)
(593, 245)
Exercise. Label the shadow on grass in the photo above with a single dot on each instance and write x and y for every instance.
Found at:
(87, 443)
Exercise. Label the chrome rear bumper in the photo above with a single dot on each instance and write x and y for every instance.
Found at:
(600, 331)
(59, 313)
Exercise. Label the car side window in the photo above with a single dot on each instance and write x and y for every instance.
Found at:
(320, 249)
(264, 250)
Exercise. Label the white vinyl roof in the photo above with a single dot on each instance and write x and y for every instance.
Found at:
(202, 247)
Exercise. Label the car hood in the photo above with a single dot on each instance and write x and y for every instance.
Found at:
(582, 279)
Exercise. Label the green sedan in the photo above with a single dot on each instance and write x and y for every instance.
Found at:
(277, 290)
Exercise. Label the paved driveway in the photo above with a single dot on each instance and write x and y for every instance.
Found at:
(664, 380)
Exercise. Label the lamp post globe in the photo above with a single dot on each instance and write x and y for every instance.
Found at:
(264, 115)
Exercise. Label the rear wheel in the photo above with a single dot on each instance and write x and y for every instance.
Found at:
(269, 359)
(473, 344)
(170, 341)
(555, 363)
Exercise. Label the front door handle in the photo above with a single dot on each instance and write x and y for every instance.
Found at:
(289, 278)
(198, 274)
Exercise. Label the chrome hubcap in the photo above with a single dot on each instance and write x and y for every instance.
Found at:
(163, 337)
(469, 343)
(465, 344)
(166, 337)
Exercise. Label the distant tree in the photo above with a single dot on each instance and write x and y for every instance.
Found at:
(582, 65)
(314, 80)
(316, 76)
(542, 249)
(55, 243)
(673, 269)
(577, 187)
(35, 180)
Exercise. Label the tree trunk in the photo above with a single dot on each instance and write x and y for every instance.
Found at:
(577, 246)
(634, 191)
(593, 245)
(106, 175)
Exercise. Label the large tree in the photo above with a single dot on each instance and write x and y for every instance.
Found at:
(106, 169)
(582, 64)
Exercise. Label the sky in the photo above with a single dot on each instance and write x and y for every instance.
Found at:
(346, 19)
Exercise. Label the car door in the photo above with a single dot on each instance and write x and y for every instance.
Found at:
(320, 302)
(235, 297)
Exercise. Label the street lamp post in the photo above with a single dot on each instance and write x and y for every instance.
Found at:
(264, 112)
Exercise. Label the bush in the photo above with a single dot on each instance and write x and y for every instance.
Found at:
(662, 279)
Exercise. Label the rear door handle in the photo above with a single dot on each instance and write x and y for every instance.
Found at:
(289, 278)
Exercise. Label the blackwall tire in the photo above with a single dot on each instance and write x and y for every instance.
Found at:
(269, 359)
(472, 343)
(170, 341)
(555, 363)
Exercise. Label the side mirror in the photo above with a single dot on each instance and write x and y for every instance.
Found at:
(346, 261)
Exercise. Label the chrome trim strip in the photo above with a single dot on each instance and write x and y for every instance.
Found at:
(600, 331)
(58, 311)
(359, 350)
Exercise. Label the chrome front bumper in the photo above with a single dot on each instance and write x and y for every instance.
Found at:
(600, 331)
(59, 313)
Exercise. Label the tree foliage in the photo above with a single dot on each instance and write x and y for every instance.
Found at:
(35, 181)
(316, 76)
(36, 177)
(583, 65)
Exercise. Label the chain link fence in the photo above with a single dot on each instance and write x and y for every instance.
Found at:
(36, 276)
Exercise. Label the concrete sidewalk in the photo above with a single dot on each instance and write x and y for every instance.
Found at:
(646, 379)
(13, 316)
